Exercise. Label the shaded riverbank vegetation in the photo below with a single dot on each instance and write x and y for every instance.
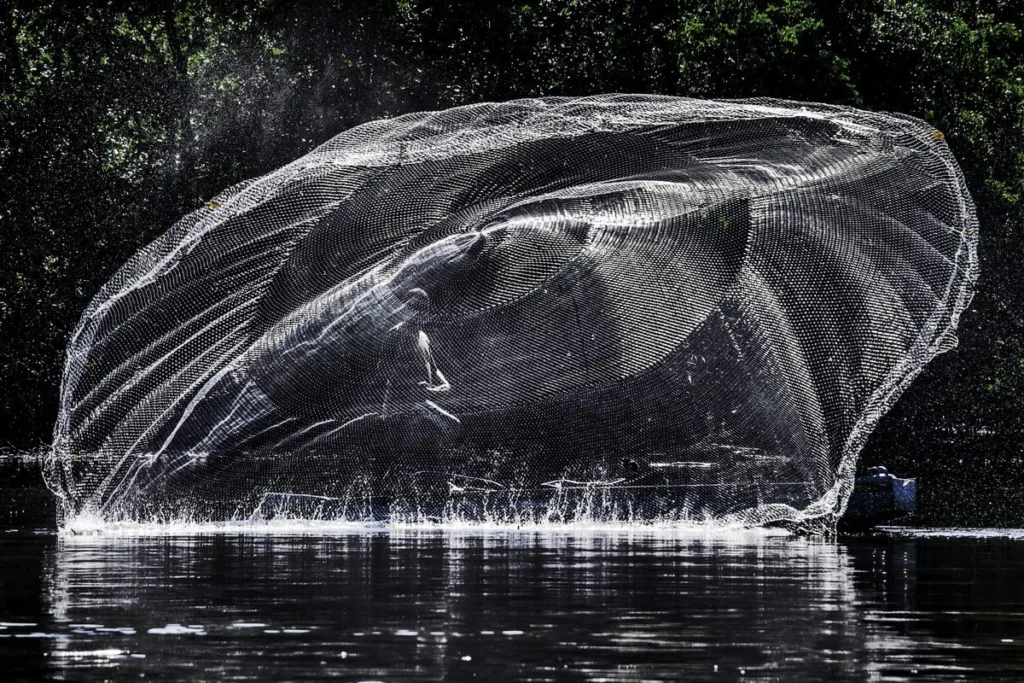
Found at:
(117, 118)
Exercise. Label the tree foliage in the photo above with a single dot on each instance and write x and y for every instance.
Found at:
(117, 118)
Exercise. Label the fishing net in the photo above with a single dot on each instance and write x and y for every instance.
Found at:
(616, 307)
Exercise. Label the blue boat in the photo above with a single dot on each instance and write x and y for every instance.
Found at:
(879, 497)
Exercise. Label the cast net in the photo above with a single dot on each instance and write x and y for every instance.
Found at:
(615, 307)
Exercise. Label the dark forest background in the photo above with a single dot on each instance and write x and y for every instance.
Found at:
(117, 118)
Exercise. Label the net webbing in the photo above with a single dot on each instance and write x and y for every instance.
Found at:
(616, 306)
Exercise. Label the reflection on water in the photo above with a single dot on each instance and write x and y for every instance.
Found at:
(541, 605)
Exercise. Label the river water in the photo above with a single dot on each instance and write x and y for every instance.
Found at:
(414, 604)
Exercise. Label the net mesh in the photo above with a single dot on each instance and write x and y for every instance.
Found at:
(627, 307)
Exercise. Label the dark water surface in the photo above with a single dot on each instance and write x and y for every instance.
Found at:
(418, 605)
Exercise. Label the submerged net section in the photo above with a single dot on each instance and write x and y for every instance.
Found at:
(625, 307)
